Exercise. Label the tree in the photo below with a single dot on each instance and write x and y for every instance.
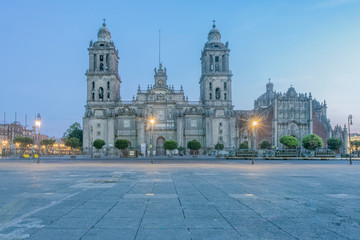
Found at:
(194, 146)
(334, 143)
(98, 144)
(121, 144)
(265, 144)
(170, 145)
(289, 141)
(356, 144)
(75, 131)
(312, 142)
(244, 145)
(73, 143)
(219, 146)
(47, 143)
(23, 142)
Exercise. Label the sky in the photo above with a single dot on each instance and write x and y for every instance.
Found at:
(312, 45)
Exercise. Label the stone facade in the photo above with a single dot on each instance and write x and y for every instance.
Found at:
(289, 113)
(209, 121)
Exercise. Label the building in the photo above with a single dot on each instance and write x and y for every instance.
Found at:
(289, 113)
(210, 120)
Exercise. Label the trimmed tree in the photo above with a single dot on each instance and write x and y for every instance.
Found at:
(122, 144)
(334, 143)
(244, 145)
(289, 141)
(73, 143)
(47, 143)
(194, 146)
(98, 144)
(170, 145)
(23, 143)
(312, 142)
(219, 146)
(265, 144)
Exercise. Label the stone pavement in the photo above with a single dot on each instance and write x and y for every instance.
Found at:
(179, 199)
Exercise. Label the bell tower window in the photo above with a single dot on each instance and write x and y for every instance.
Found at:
(101, 67)
(225, 85)
(210, 86)
(93, 86)
(108, 85)
(108, 96)
(93, 96)
(217, 93)
(210, 96)
(224, 96)
(101, 94)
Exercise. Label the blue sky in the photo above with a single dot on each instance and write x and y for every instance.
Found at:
(312, 45)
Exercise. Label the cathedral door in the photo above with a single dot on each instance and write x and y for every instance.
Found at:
(160, 151)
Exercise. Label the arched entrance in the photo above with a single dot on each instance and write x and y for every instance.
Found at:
(160, 151)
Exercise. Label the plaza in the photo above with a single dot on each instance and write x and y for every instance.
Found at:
(179, 198)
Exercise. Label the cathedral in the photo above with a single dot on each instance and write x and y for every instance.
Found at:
(210, 120)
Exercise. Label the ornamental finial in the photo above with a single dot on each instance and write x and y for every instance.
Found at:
(104, 24)
(214, 26)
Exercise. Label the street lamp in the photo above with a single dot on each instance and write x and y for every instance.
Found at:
(254, 124)
(38, 124)
(152, 122)
(350, 123)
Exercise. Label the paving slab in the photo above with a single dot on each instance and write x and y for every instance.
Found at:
(179, 199)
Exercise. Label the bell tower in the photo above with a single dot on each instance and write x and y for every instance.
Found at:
(215, 80)
(103, 81)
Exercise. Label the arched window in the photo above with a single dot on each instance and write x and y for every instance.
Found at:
(217, 93)
(93, 96)
(93, 85)
(108, 85)
(101, 67)
(210, 85)
(101, 94)
(224, 96)
(210, 96)
(225, 85)
(108, 96)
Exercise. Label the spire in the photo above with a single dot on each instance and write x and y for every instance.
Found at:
(214, 35)
(104, 34)
(159, 48)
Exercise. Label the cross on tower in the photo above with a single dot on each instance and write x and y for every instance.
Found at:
(104, 24)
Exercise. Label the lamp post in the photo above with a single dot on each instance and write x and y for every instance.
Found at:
(253, 133)
(350, 123)
(38, 124)
(152, 121)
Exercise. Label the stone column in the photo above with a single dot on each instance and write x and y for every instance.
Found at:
(311, 117)
(275, 123)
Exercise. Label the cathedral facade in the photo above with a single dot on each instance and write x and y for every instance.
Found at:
(210, 120)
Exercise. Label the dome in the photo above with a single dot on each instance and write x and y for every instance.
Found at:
(214, 35)
(104, 34)
(291, 92)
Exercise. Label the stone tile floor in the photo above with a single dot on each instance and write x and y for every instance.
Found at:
(179, 199)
